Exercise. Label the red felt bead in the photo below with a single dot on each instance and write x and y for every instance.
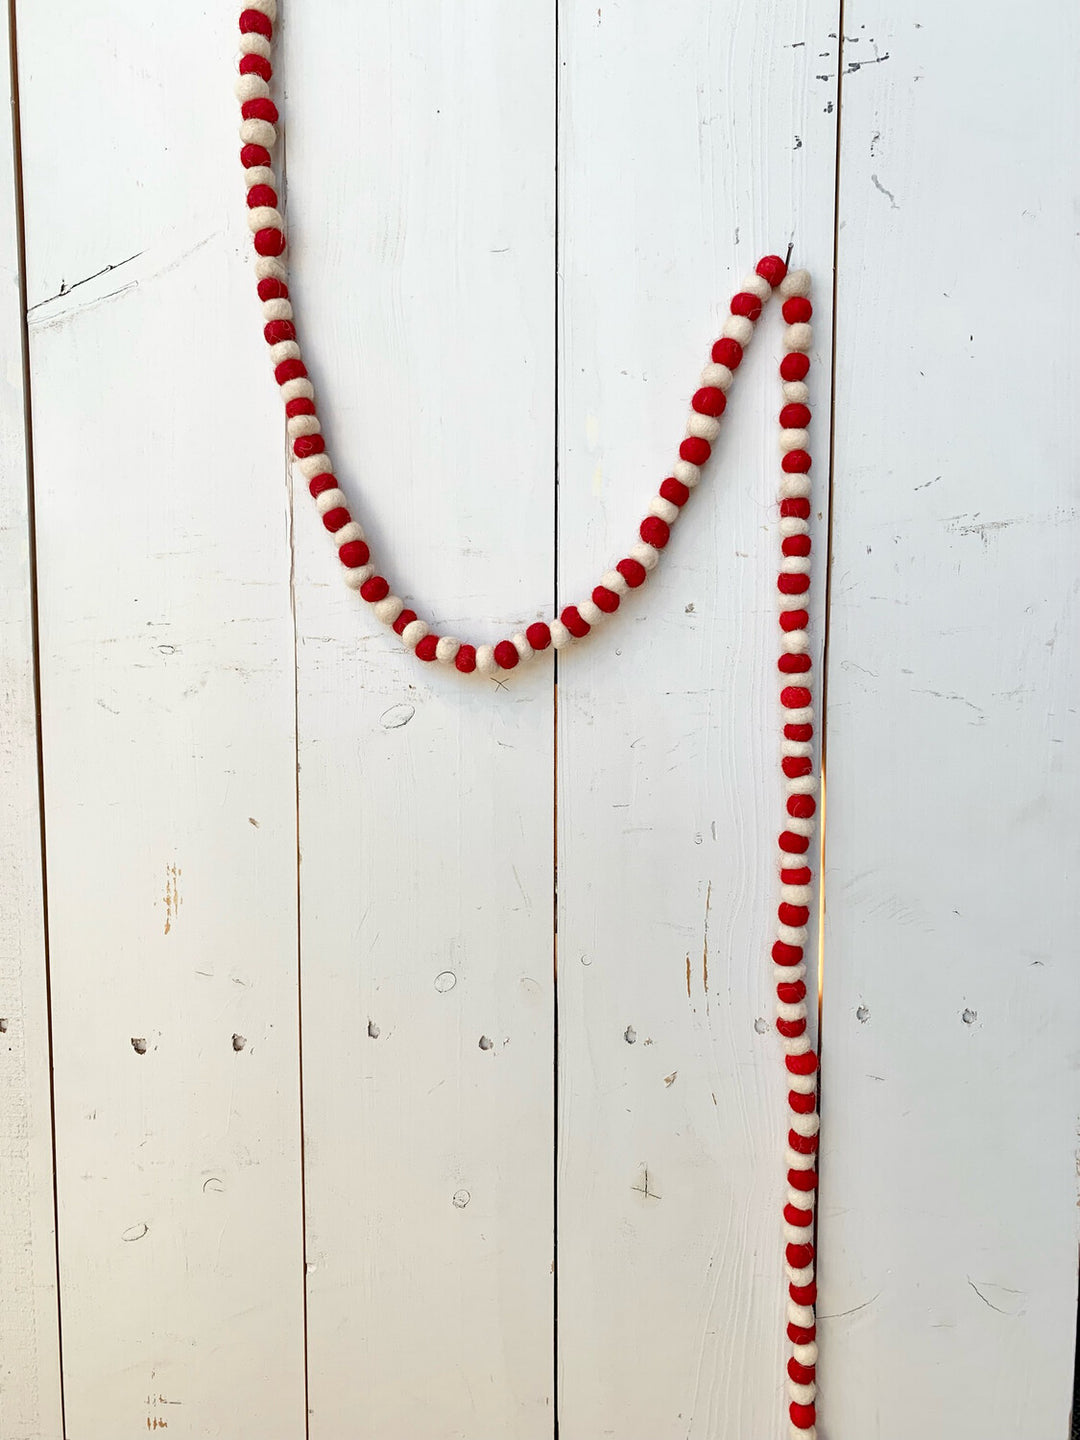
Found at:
(799, 1256)
(746, 304)
(300, 406)
(772, 269)
(785, 954)
(795, 697)
(805, 1180)
(654, 531)
(465, 659)
(273, 290)
(695, 449)
(794, 766)
(793, 664)
(709, 401)
(336, 518)
(254, 22)
(803, 1294)
(261, 195)
(798, 732)
(790, 1029)
(354, 553)
(804, 1064)
(792, 914)
(632, 571)
(275, 331)
(802, 1416)
(798, 507)
(801, 806)
(793, 584)
(252, 155)
(538, 635)
(727, 352)
(794, 620)
(375, 589)
(605, 599)
(405, 618)
(326, 481)
(506, 655)
(675, 491)
(305, 445)
(790, 992)
(800, 1103)
(801, 1374)
(797, 310)
(425, 648)
(571, 618)
(795, 462)
(269, 242)
(795, 417)
(798, 875)
(794, 366)
(793, 844)
(804, 1144)
(289, 370)
(256, 65)
(796, 545)
(261, 108)
(800, 1334)
(795, 1215)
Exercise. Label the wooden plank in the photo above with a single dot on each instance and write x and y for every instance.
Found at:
(30, 1399)
(948, 1223)
(424, 274)
(695, 138)
(169, 737)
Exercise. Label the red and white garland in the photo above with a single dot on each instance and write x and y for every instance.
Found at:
(574, 622)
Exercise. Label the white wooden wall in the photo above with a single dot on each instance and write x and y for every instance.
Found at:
(292, 879)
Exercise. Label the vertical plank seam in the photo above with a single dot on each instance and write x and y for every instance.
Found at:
(556, 1055)
(35, 648)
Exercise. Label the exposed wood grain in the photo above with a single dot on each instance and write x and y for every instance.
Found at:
(424, 270)
(694, 139)
(948, 1224)
(167, 709)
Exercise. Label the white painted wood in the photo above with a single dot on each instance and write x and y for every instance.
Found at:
(420, 145)
(695, 138)
(169, 738)
(30, 1404)
(948, 1224)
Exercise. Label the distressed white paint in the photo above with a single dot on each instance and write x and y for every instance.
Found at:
(30, 1407)
(948, 1228)
(695, 139)
(177, 699)
(169, 743)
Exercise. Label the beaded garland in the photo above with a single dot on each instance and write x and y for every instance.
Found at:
(258, 132)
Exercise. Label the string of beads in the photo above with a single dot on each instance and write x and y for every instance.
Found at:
(259, 116)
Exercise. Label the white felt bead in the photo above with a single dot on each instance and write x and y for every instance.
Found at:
(258, 132)
(297, 390)
(355, 578)
(737, 328)
(801, 1276)
(794, 487)
(803, 785)
(791, 1012)
(284, 350)
(801, 749)
(613, 580)
(796, 392)
(313, 465)
(269, 267)
(521, 644)
(792, 934)
(756, 284)
(303, 425)
(706, 427)
(796, 642)
(647, 556)
(806, 1354)
(265, 217)
(686, 473)
(799, 337)
(801, 1199)
(795, 565)
(277, 310)
(795, 1044)
(796, 1432)
(802, 1394)
(794, 824)
(795, 282)
(329, 500)
(718, 377)
(806, 1124)
(260, 175)
(486, 663)
(413, 633)
(793, 440)
(265, 7)
(590, 612)
(560, 636)
(792, 525)
(802, 1084)
(664, 509)
(250, 87)
(795, 894)
(349, 531)
(795, 1160)
(801, 1315)
(255, 45)
(799, 1234)
(388, 609)
(447, 648)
